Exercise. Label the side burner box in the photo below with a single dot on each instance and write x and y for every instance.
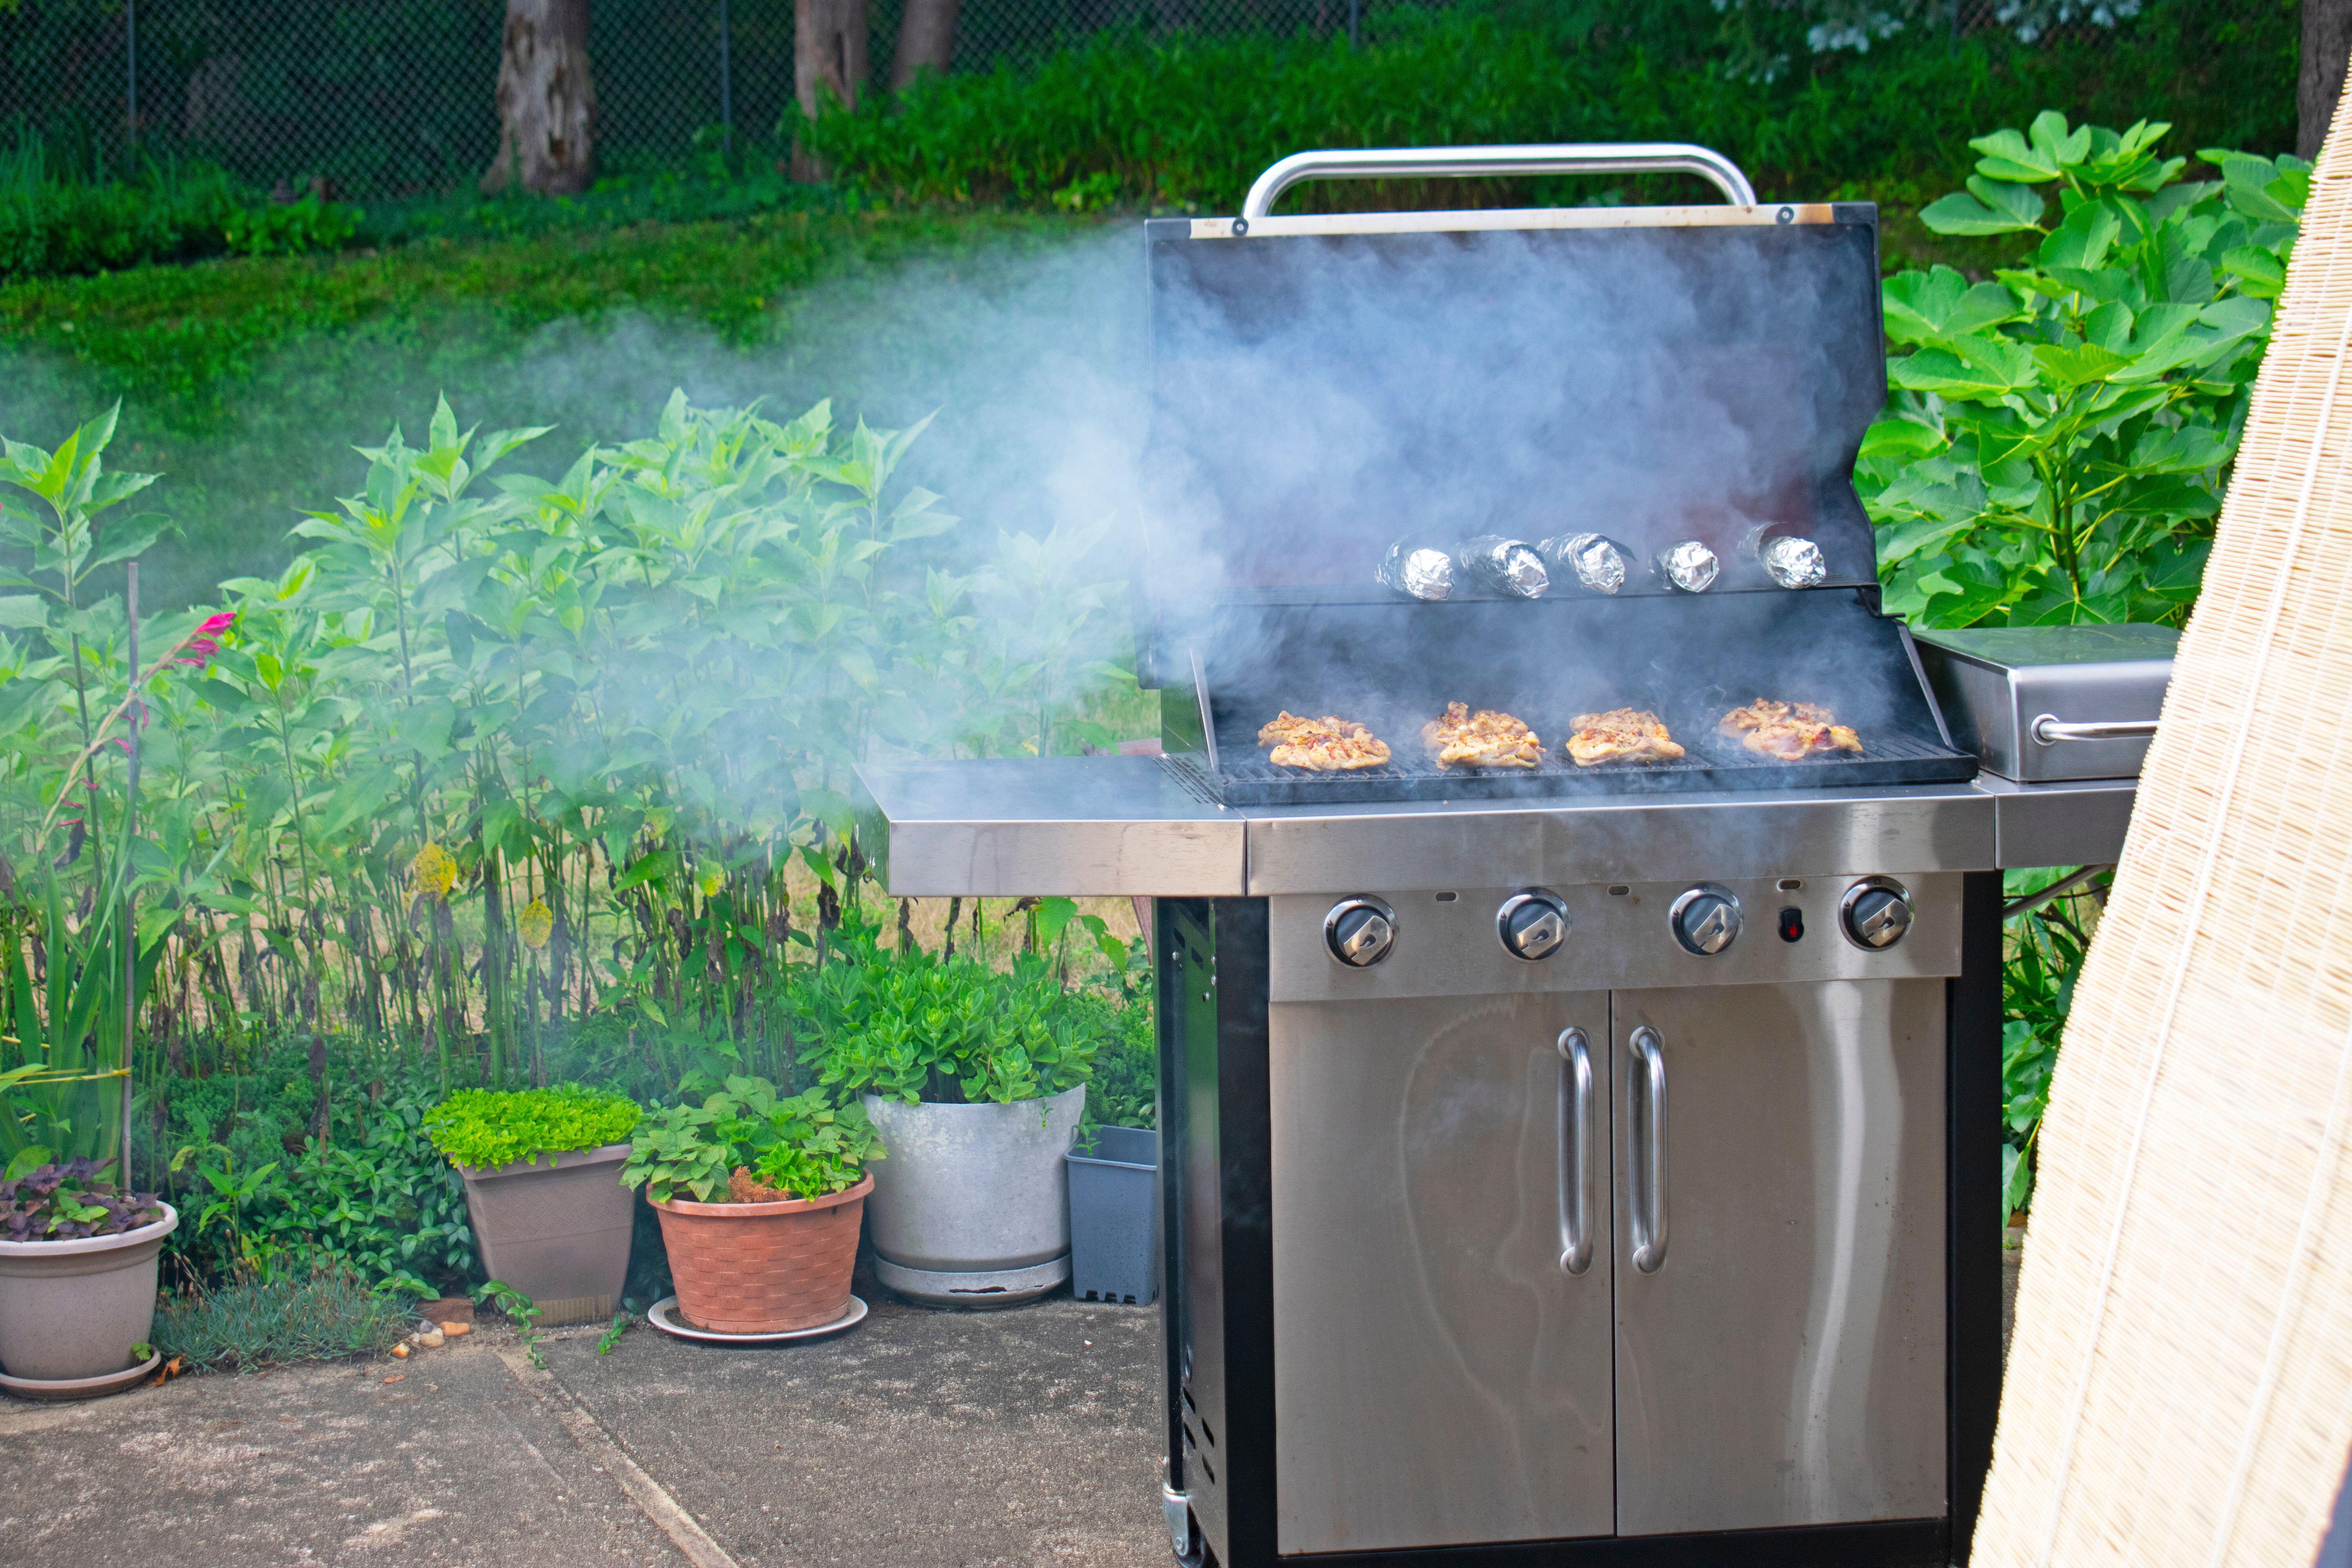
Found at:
(2041, 704)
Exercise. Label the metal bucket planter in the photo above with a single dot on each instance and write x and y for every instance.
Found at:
(557, 1229)
(971, 1204)
(764, 1268)
(1114, 1216)
(70, 1310)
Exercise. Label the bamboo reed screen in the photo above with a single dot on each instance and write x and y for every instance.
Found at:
(2179, 1390)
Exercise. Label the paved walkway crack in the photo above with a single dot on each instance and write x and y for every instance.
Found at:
(652, 1499)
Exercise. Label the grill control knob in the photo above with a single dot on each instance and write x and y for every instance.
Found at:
(1706, 919)
(1877, 913)
(1360, 932)
(1533, 924)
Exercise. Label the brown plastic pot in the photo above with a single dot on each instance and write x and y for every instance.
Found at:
(764, 1268)
(72, 1309)
(557, 1229)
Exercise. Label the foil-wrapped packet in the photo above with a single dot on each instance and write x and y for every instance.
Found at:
(1419, 571)
(1593, 561)
(1688, 566)
(1504, 565)
(1793, 562)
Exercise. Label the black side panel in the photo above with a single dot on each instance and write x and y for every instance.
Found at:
(1246, 1172)
(1216, 1185)
(1909, 1544)
(1973, 1137)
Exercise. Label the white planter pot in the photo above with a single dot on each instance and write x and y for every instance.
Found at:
(971, 1204)
(74, 1308)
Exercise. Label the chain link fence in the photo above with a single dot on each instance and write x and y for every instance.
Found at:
(389, 97)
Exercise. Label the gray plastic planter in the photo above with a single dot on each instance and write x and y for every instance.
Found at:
(74, 1308)
(970, 1206)
(557, 1229)
(1114, 1216)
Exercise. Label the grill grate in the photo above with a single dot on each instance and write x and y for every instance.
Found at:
(1713, 763)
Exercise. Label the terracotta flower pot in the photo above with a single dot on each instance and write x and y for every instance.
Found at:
(74, 1308)
(556, 1228)
(764, 1268)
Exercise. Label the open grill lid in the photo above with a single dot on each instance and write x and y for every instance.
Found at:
(1327, 387)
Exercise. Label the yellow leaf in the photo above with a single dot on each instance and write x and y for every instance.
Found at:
(535, 923)
(433, 873)
(710, 880)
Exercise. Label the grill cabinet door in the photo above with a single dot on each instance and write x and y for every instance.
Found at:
(1784, 1364)
(1439, 1376)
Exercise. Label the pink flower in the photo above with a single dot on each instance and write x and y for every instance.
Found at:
(204, 641)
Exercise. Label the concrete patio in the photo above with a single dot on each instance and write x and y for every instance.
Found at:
(920, 1439)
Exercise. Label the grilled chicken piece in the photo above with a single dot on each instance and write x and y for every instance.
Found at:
(1328, 745)
(1790, 731)
(1621, 735)
(1287, 725)
(1482, 740)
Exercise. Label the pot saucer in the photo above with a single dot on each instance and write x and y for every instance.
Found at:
(79, 1387)
(664, 1316)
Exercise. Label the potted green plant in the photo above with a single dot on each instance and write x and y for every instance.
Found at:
(976, 1079)
(759, 1197)
(542, 1173)
(77, 1259)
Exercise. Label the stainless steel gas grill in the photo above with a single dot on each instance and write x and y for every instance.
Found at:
(1570, 1163)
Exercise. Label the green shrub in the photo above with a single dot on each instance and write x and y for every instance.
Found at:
(487, 1128)
(258, 1322)
(2062, 436)
(255, 1195)
(907, 1023)
(1183, 121)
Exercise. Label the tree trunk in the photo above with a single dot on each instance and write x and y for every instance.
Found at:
(828, 52)
(926, 37)
(547, 101)
(2326, 43)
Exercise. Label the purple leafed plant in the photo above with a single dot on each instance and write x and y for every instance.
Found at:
(64, 1203)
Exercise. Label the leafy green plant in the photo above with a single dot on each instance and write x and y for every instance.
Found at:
(1124, 1088)
(489, 1128)
(290, 229)
(253, 1322)
(800, 1145)
(2062, 434)
(65, 1203)
(2046, 949)
(906, 1023)
(622, 1322)
(521, 1312)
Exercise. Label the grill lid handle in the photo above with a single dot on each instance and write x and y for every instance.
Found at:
(1555, 158)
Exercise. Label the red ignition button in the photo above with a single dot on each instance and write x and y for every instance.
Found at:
(1792, 924)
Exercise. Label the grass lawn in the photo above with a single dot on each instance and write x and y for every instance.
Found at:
(247, 383)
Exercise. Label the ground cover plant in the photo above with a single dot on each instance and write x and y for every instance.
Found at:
(254, 1322)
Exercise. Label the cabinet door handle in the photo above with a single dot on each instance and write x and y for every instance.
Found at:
(1648, 1165)
(1576, 1141)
